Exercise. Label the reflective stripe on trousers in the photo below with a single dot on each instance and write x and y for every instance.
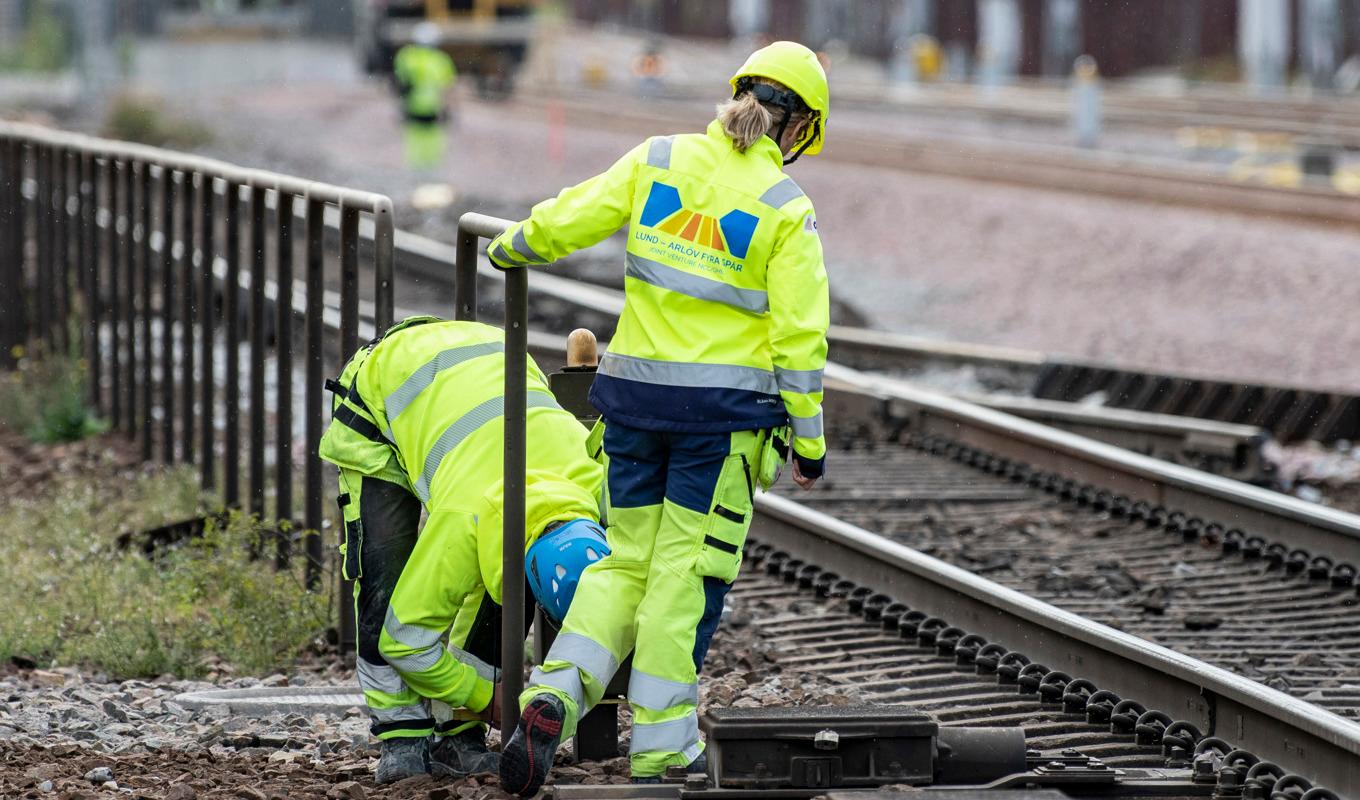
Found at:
(423, 641)
(413, 713)
(659, 694)
(672, 736)
(378, 678)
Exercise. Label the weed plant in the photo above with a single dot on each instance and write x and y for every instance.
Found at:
(44, 399)
(45, 45)
(72, 599)
(145, 120)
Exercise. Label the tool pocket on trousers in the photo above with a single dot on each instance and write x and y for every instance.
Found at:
(351, 549)
(728, 520)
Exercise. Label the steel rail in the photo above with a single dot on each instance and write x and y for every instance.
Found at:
(1213, 499)
(1293, 733)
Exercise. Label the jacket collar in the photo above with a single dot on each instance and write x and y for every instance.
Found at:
(764, 146)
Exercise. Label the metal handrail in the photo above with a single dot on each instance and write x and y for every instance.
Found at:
(471, 228)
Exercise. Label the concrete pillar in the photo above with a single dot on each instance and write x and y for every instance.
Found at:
(998, 42)
(1062, 35)
(96, 57)
(1319, 41)
(748, 18)
(1263, 41)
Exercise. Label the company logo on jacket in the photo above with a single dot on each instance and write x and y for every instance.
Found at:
(730, 233)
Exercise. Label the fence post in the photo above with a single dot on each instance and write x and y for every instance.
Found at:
(12, 316)
(207, 304)
(283, 359)
(315, 264)
(167, 341)
(143, 386)
(258, 275)
(349, 342)
(42, 225)
(188, 290)
(231, 319)
(119, 202)
(61, 181)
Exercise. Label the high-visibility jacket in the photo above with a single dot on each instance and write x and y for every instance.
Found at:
(424, 74)
(724, 323)
(433, 392)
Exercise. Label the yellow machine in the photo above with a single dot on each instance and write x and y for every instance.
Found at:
(487, 39)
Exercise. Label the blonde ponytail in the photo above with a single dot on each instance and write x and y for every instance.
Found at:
(745, 120)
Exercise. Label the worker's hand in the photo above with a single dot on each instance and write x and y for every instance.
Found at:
(804, 483)
(492, 713)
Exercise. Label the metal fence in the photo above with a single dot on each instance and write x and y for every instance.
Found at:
(173, 278)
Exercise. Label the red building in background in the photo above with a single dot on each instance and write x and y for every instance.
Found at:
(1125, 36)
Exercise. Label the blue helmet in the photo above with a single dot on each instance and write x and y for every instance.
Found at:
(555, 562)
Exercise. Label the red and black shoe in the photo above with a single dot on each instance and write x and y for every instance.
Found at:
(527, 757)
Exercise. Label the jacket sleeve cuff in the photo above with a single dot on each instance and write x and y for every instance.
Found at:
(482, 692)
(810, 467)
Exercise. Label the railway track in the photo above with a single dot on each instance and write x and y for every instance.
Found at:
(1062, 670)
(1235, 549)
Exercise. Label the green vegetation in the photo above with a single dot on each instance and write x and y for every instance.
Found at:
(143, 119)
(75, 600)
(45, 400)
(45, 46)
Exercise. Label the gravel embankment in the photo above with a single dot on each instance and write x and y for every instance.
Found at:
(69, 734)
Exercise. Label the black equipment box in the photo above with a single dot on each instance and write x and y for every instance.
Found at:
(819, 747)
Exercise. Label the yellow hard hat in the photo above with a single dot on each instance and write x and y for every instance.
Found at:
(796, 67)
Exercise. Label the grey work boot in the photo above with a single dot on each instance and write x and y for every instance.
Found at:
(403, 758)
(463, 753)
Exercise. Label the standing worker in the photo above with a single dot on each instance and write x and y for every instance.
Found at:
(418, 421)
(717, 359)
(424, 75)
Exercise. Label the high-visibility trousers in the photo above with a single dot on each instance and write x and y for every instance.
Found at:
(680, 505)
(425, 144)
(382, 520)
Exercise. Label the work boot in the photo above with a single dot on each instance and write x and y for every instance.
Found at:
(696, 767)
(462, 754)
(527, 757)
(403, 758)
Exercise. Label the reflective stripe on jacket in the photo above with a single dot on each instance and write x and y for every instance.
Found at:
(727, 307)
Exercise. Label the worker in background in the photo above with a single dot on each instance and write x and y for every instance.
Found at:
(418, 422)
(648, 68)
(715, 365)
(424, 75)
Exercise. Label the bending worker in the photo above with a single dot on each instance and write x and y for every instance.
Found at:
(718, 353)
(418, 422)
(424, 75)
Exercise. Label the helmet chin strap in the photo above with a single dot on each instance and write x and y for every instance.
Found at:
(786, 100)
(816, 131)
